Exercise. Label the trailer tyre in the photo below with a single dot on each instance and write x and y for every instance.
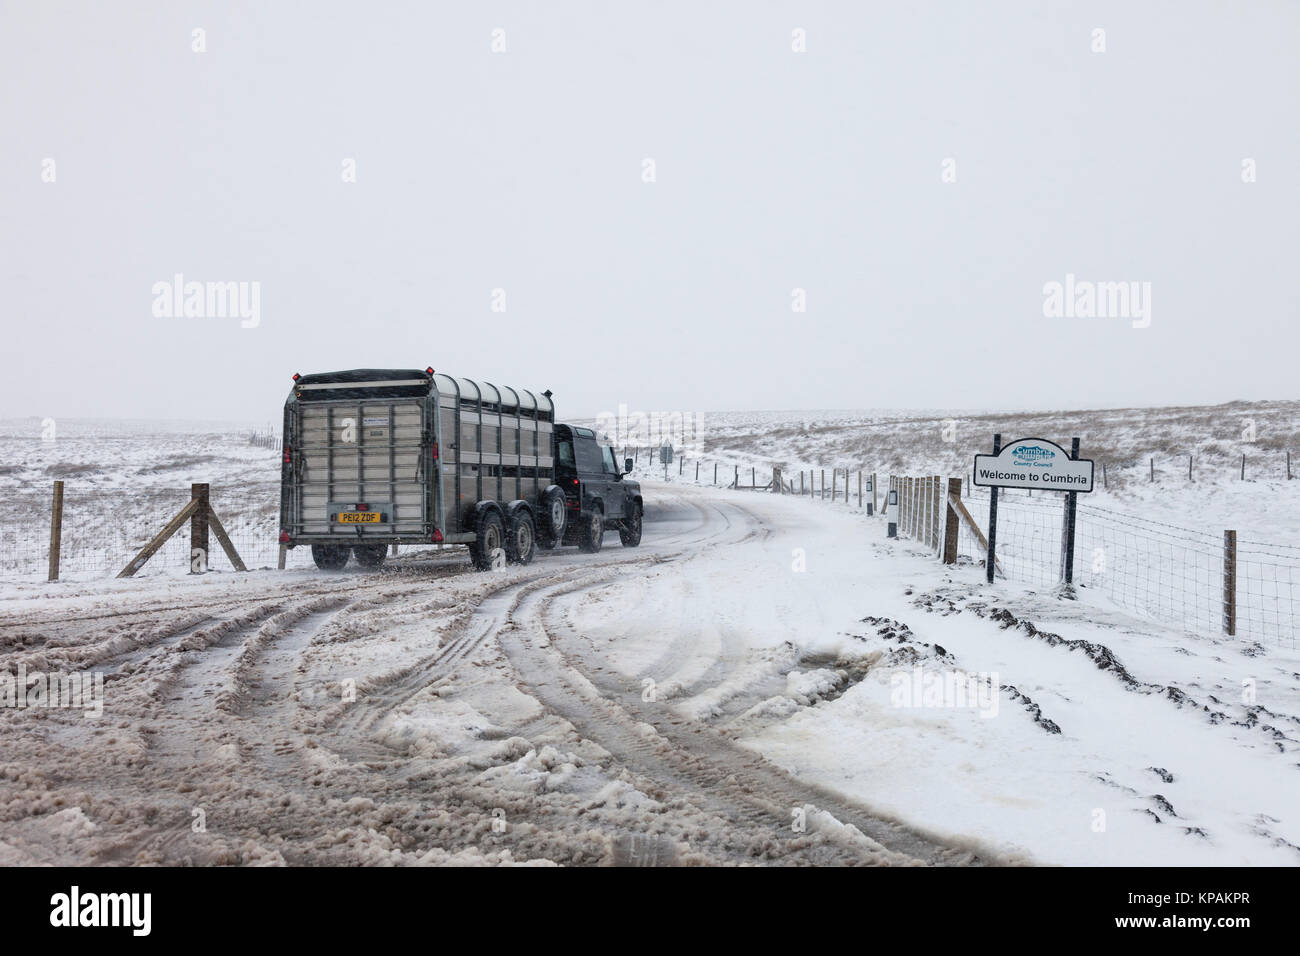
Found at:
(487, 550)
(554, 514)
(521, 537)
(592, 534)
(629, 532)
(370, 555)
(330, 557)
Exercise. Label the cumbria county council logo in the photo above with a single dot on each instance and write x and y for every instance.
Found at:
(1033, 455)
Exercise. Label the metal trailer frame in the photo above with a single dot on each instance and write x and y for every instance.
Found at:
(470, 405)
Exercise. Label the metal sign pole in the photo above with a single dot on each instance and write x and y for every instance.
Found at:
(1067, 532)
(991, 560)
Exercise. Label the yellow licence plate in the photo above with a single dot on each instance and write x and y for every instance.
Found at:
(358, 517)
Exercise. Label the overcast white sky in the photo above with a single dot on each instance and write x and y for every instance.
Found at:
(776, 170)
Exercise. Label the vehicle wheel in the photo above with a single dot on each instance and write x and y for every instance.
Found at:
(521, 537)
(486, 550)
(553, 514)
(330, 557)
(370, 555)
(593, 532)
(629, 532)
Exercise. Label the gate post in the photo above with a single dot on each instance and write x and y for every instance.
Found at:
(199, 526)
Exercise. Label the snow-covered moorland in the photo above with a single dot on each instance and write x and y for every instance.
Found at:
(766, 679)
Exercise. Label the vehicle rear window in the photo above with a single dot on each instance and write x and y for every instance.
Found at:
(588, 456)
(564, 453)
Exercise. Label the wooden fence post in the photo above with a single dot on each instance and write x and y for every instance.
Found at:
(1230, 583)
(199, 528)
(735, 481)
(873, 492)
(1243, 466)
(823, 484)
(56, 530)
(859, 488)
(715, 474)
(697, 471)
(950, 522)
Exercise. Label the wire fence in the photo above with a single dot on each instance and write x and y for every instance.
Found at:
(1189, 578)
(103, 530)
(1181, 576)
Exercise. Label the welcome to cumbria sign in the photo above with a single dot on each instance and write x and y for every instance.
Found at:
(1034, 463)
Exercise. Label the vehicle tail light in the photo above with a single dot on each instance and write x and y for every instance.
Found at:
(287, 458)
(363, 507)
(434, 451)
(284, 537)
(296, 376)
(437, 536)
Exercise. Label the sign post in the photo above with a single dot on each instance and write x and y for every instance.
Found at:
(990, 559)
(1035, 463)
(1067, 529)
(666, 458)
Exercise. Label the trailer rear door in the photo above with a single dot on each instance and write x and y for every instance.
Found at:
(360, 468)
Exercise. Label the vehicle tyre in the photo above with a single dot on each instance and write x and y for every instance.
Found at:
(629, 532)
(521, 537)
(330, 557)
(592, 532)
(488, 547)
(370, 555)
(552, 516)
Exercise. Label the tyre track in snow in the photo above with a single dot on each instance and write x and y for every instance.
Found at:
(749, 800)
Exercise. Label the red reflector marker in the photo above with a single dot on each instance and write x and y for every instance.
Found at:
(284, 537)
(429, 370)
(435, 451)
(296, 376)
(437, 536)
(286, 456)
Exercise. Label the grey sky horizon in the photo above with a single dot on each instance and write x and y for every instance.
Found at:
(523, 171)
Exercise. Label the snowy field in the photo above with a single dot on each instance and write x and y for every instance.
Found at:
(767, 679)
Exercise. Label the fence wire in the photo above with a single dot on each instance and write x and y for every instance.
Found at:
(1172, 574)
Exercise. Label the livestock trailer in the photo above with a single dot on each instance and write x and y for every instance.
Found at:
(376, 457)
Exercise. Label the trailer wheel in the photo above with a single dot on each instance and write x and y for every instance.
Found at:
(486, 550)
(629, 532)
(592, 533)
(370, 555)
(330, 557)
(554, 514)
(521, 537)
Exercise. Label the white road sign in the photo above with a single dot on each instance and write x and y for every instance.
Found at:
(1034, 463)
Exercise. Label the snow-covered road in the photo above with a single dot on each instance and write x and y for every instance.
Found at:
(726, 693)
